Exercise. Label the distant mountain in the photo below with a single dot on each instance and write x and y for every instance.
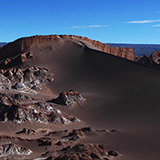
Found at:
(2, 44)
(138, 49)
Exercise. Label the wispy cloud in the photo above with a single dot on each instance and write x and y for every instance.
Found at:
(157, 25)
(144, 21)
(157, 30)
(91, 26)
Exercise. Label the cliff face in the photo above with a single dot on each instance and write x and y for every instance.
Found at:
(19, 46)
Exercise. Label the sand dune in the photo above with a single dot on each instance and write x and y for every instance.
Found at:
(120, 94)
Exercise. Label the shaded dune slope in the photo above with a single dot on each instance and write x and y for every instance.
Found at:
(120, 94)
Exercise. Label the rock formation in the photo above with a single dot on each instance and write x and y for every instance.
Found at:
(7, 150)
(68, 98)
(155, 57)
(152, 60)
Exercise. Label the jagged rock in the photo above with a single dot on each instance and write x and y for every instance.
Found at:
(57, 132)
(75, 119)
(114, 130)
(74, 135)
(68, 98)
(68, 157)
(64, 120)
(113, 153)
(155, 57)
(86, 129)
(12, 149)
(5, 83)
(83, 151)
(42, 112)
(21, 97)
(94, 156)
(50, 158)
(20, 86)
(26, 131)
(25, 80)
(6, 99)
(59, 143)
(45, 142)
(145, 60)
(102, 130)
(152, 60)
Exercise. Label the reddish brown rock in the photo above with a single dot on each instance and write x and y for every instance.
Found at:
(155, 57)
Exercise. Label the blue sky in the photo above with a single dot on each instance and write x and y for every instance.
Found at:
(110, 21)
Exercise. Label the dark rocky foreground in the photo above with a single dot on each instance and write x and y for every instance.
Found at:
(22, 101)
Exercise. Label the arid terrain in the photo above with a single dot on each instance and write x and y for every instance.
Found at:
(66, 97)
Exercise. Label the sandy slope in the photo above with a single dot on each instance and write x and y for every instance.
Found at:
(120, 95)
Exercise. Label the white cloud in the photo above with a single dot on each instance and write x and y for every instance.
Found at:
(144, 21)
(157, 25)
(76, 27)
(91, 26)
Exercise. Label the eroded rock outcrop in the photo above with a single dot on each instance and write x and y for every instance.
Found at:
(86, 151)
(10, 149)
(155, 57)
(13, 110)
(25, 80)
(68, 98)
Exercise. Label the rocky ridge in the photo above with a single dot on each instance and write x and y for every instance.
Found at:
(15, 52)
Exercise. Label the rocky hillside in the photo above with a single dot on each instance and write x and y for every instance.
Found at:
(18, 47)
